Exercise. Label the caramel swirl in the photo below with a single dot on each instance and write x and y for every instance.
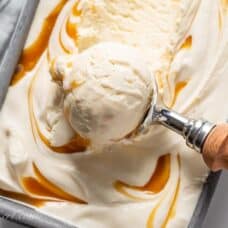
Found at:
(32, 54)
(76, 144)
(41, 186)
(156, 183)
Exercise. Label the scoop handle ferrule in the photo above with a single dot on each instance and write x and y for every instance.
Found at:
(194, 132)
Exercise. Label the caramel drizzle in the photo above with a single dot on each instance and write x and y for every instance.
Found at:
(187, 43)
(220, 20)
(223, 10)
(75, 11)
(71, 28)
(41, 186)
(224, 4)
(32, 54)
(172, 209)
(65, 49)
(156, 183)
(182, 84)
(178, 88)
(23, 198)
(76, 144)
(72, 31)
(151, 218)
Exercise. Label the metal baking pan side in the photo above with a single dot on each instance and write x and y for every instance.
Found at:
(204, 201)
(30, 217)
(27, 216)
(9, 58)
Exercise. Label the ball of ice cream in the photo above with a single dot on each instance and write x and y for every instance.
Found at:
(108, 88)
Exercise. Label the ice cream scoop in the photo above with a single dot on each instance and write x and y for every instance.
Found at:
(203, 136)
(107, 90)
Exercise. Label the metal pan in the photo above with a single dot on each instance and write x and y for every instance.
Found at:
(30, 217)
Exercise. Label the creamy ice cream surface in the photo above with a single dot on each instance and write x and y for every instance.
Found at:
(107, 90)
(89, 64)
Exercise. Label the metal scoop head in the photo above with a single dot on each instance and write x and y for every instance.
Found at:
(151, 115)
(193, 131)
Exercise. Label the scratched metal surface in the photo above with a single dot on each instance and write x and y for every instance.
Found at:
(17, 15)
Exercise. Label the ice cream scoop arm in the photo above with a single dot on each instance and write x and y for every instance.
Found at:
(194, 132)
(207, 138)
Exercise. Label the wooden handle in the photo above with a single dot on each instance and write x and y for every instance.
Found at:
(215, 149)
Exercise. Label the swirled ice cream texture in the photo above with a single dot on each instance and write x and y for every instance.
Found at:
(153, 181)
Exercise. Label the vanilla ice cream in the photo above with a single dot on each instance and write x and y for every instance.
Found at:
(108, 88)
(51, 116)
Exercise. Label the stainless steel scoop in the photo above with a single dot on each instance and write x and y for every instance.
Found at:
(193, 131)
